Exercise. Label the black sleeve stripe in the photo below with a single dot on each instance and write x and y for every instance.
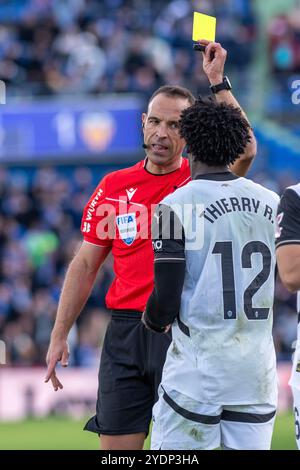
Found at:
(169, 254)
(287, 242)
(175, 260)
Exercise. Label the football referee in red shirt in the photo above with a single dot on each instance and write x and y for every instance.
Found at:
(118, 219)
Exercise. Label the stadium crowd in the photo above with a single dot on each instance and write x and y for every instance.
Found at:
(87, 46)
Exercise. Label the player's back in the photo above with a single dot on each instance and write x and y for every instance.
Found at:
(228, 291)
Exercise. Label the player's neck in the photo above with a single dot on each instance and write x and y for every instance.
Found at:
(199, 168)
(162, 169)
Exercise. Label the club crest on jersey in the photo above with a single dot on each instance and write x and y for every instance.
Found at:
(127, 227)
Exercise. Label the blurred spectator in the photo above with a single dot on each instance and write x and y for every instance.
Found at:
(284, 67)
(284, 47)
(284, 57)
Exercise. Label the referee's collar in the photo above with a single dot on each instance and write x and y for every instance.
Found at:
(159, 174)
(221, 176)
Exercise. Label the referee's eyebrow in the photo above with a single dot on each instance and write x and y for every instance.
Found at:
(171, 121)
(153, 117)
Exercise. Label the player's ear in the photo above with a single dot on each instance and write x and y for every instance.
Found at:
(144, 117)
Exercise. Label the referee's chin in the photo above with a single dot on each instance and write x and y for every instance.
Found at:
(157, 158)
(161, 160)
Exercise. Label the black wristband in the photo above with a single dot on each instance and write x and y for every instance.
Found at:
(224, 85)
(152, 326)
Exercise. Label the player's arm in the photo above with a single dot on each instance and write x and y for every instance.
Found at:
(97, 229)
(288, 240)
(214, 60)
(79, 281)
(169, 270)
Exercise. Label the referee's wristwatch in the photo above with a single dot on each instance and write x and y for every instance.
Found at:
(224, 85)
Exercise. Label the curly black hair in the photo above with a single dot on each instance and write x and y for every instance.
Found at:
(215, 133)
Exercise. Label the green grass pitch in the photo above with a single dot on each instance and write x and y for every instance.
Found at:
(63, 433)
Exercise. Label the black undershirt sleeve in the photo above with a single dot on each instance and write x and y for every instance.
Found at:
(169, 269)
(288, 219)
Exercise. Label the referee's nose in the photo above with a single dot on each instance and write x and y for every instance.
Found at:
(161, 131)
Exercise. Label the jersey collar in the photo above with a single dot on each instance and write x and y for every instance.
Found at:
(162, 174)
(222, 176)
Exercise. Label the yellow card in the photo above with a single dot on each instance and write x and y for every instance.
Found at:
(204, 27)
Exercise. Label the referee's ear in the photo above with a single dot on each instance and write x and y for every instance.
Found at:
(144, 118)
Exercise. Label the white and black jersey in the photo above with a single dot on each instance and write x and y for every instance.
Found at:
(218, 269)
(288, 220)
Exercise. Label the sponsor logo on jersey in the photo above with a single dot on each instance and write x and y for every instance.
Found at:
(92, 206)
(86, 227)
(127, 227)
(157, 245)
(130, 193)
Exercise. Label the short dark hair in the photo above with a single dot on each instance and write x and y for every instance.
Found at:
(215, 133)
(174, 92)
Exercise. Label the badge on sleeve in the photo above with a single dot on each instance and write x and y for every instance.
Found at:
(127, 227)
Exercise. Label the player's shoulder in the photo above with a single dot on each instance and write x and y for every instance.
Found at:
(124, 173)
(262, 190)
(292, 191)
(290, 198)
(179, 195)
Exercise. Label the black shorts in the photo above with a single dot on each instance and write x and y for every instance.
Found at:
(130, 372)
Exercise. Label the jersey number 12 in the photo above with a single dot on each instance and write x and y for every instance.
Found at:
(225, 250)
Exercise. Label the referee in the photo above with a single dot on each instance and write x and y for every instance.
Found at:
(117, 219)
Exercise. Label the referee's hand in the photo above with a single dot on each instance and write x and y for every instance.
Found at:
(214, 59)
(58, 351)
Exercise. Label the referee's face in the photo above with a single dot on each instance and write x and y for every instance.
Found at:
(161, 130)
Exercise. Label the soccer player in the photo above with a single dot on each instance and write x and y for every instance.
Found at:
(214, 243)
(132, 357)
(288, 259)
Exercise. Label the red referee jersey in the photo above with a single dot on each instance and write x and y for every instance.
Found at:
(119, 215)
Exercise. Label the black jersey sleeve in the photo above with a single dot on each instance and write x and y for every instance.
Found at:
(288, 219)
(169, 269)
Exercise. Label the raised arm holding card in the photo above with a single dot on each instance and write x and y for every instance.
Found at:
(214, 59)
